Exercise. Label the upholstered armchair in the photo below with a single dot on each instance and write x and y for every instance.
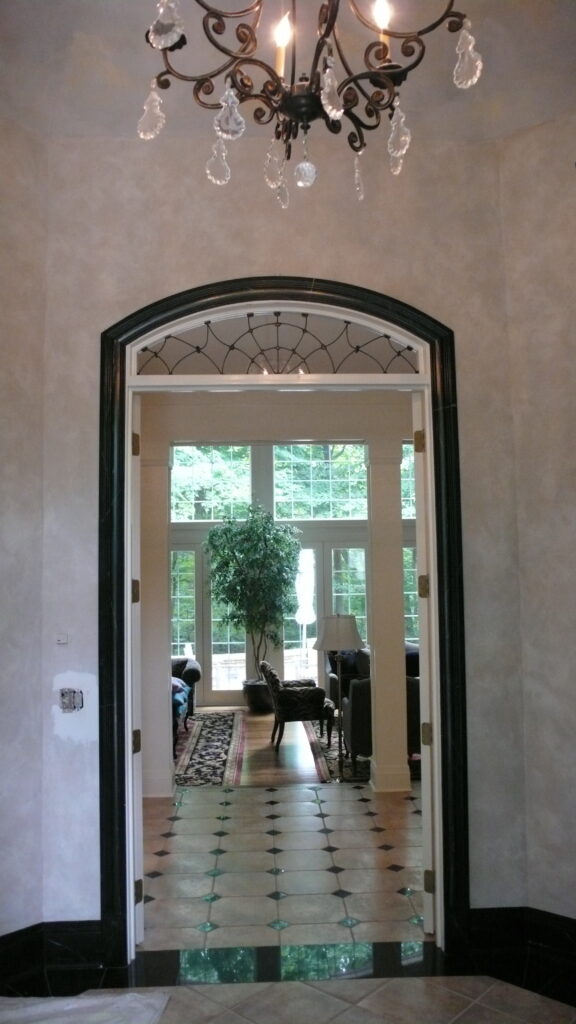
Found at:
(186, 672)
(297, 700)
(357, 719)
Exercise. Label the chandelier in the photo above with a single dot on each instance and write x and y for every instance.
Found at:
(289, 98)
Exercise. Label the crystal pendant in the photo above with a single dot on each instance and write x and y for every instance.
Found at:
(469, 65)
(152, 121)
(273, 167)
(358, 180)
(305, 174)
(329, 95)
(228, 123)
(217, 168)
(398, 141)
(305, 171)
(168, 27)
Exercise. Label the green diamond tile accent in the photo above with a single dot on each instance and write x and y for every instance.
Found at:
(221, 833)
(275, 871)
(277, 895)
(279, 925)
(216, 852)
(214, 872)
(349, 922)
(211, 897)
(223, 817)
(416, 920)
(207, 927)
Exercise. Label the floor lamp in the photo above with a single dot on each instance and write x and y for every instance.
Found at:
(339, 633)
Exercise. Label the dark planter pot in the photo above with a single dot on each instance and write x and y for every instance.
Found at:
(257, 697)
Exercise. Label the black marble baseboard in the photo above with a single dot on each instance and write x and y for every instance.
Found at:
(529, 948)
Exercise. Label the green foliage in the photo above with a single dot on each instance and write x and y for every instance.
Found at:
(253, 568)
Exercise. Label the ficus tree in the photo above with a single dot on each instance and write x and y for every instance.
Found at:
(253, 568)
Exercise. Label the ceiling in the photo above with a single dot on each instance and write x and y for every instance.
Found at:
(82, 68)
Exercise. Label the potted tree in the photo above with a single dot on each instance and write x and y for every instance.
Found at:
(253, 568)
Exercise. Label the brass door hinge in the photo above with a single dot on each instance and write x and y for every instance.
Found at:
(430, 881)
(426, 734)
(424, 586)
(135, 444)
(419, 441)
(136, 741)
(135, 591)
(138, 890)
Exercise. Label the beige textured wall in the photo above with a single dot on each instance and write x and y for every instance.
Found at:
(23, 686)
(130, 223)
(539, 224)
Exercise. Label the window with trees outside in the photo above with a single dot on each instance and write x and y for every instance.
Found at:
(322, 489)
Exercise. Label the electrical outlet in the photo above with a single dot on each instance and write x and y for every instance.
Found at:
(71, 700)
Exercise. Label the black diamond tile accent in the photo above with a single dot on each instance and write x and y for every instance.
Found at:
(273, 832)
(326, 831)
(417, 812)
(358, 787)
(271, 817)
(272, 802)
(222, 817)
(217, 852)
(225, 803)
(272, 789)
(277, 895)
(167, 835)
(162, 853)
(220, 833)
(319, 815)
(275, 849)
(377, 829)
(335, 870)
(154, 874)
(174, 817)
(330, 849)
(395, 867)
(149, 899)
(385, 846)
(363, 799)
(342, 893)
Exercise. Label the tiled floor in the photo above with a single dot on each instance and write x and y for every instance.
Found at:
(252, 867)
(440, 1000)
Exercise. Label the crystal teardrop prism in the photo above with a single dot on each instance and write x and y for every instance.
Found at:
(400, 135)
(229, 123)
(358, 180)
(152, 121)
(273, 167)
(329, 97)
(168, 27)
(396, 164)
(469, 64)
(217, 169)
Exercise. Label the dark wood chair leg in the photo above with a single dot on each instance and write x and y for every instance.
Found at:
(276, 724)
(280, 735)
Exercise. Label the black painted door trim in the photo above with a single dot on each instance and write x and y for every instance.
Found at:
(115, 342)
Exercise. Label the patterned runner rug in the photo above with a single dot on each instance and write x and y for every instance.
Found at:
(211, 752)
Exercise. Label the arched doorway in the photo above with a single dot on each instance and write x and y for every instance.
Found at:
(117, 343)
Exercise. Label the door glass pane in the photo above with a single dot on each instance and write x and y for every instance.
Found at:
(183, 598)
(300, 629)
(228, 652)
(349, 584)
(411, 626)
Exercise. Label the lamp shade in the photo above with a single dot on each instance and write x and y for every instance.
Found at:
(338, 633)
